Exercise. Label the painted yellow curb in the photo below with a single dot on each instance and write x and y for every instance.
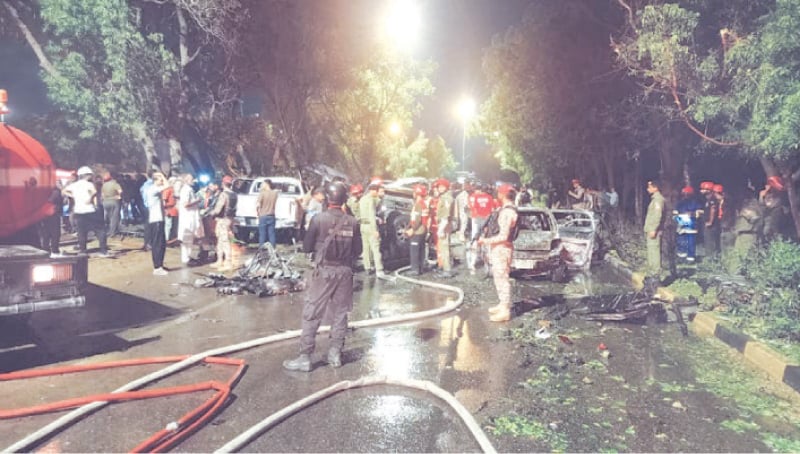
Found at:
(766, 359)
(703, 324)
(637, 279)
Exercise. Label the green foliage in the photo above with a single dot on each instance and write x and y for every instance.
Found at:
(777, 266)
(520, 426)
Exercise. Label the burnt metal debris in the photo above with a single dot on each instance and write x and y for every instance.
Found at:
(266, 274)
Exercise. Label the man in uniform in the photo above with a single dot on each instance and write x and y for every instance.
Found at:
(444, 216)
(356, 191)
(480, 205)
(334, 238)
(370, 235)
(418, 229)
(501, 248)
(711, 224)
(652, 229)
(224, 211)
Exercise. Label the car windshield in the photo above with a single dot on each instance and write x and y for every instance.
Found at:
(536, 220)
(284, 187)
(242, 186)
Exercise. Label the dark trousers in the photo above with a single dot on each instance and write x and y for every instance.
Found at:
(148, 230)
(50, 233)
(111, 209)
(711, 237)
(266, 230)
(330, 289)
(417, 252)
(158, 243)
(87, 222)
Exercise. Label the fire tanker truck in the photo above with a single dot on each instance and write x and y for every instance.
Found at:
(30, 279)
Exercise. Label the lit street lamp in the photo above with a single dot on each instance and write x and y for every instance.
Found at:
(401, 24)
(466, 111)
(394, 129)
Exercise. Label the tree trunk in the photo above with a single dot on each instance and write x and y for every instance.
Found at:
(248, 168)
(638, 195)
(44, 62)
(148, 146)
(175, 156)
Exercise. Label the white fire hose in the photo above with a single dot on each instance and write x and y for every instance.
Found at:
(247, 436)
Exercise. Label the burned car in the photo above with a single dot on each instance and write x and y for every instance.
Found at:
(538, 249)
(578, 230)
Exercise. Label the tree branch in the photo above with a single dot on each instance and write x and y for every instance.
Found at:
(628, 8)
(44, 62)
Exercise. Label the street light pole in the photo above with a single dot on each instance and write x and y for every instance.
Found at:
(464, 145)
(465, 110)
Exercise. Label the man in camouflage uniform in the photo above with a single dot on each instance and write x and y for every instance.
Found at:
(501, 249)
(370, 235)
(652, 229)
(417, 230)
(444, 216)
(224, 211)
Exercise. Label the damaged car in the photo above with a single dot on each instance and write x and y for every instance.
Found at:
(578, 230)
(538, 249)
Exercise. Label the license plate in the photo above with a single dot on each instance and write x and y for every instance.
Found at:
(523, 264)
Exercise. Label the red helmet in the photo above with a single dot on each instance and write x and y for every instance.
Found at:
(505, 188)
(576, 181)
(356, 189)
(718, 188)
(687, 190)
(420, 190)
(707, 186)
(227, 179)
(776, 183)
(376, 182)
(442, 182)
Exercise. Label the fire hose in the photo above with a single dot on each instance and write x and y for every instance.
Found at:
(475, 430)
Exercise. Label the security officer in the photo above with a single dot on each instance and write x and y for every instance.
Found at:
(224, 211)
(444, 216)
(370, 235)
(652, 229)
(500, 241)
(418, 229)
(335, 239)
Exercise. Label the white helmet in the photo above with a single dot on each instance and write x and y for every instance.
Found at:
(85, 170)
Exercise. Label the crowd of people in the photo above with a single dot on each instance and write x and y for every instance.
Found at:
(171, 210)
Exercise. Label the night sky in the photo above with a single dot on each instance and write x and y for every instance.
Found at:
(455, 32)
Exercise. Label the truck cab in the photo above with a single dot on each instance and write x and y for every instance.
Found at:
(247, 189)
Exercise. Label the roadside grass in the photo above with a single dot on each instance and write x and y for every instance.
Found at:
(760, 411)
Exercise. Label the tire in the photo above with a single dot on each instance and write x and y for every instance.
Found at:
(396, 241)
(559, 274)
(242, 235)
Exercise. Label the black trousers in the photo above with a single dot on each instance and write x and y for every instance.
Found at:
(50, 233)
(158, 243)
(417, 252)
(330, 289)
(91, 222)
(148, 234)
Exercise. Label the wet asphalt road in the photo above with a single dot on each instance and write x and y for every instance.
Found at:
(131, 314)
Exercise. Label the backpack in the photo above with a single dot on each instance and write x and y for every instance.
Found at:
(230, 210)
(493, 226)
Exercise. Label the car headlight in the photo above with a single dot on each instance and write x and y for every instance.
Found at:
(43, 273)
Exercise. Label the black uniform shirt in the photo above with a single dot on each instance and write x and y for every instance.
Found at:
(344, 248)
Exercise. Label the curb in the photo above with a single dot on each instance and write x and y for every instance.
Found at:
(705, 324)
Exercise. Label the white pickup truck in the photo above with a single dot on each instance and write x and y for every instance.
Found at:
(246, 221)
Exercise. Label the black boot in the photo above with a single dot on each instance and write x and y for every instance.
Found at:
(301, 363)
(335, 357)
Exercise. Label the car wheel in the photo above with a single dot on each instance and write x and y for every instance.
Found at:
(242, 235)
(559, 274)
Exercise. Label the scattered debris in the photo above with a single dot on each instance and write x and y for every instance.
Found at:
(565, 339)
(266, 274)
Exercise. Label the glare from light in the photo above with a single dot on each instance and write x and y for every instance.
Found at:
(402, 24)
(203, 178)
(43, 273)
(394, 129)
(466, 108)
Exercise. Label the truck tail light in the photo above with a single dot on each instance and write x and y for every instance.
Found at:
(51, 274)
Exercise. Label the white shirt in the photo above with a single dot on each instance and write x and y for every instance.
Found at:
(82, 192)
(155, 206)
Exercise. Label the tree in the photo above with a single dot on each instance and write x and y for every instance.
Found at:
(727, 70)
(356, 115)
(545, 81)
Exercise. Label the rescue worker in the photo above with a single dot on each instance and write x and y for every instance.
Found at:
(356, 191)
(480, 205)
(417, 230)
(87, 216)
(771, 199)
(577, 195)
(444, 217)
(224, 211)
(686, 217)
(653, 228)
(711, 224)
(335, 240)
(370, 235)
(499, 239)
(724, 217)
